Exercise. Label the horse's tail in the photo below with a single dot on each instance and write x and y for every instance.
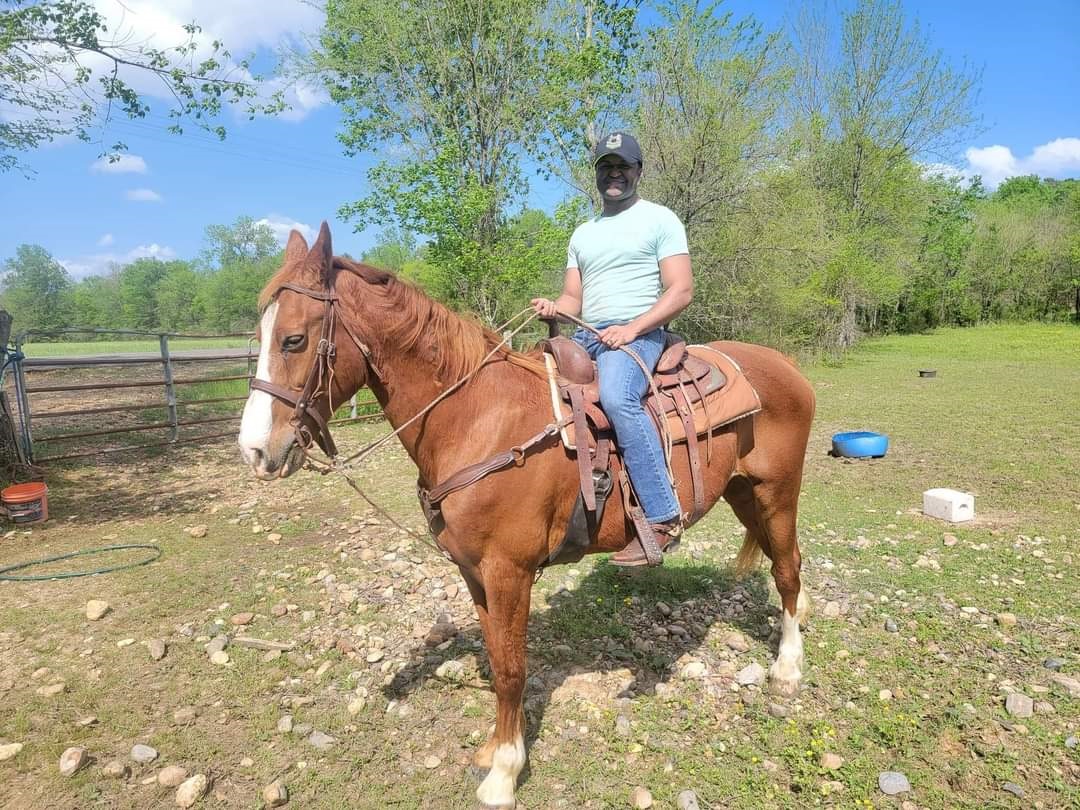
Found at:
(749, 556)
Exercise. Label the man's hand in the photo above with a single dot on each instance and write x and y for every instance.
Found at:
(544, 307)
(618, 335)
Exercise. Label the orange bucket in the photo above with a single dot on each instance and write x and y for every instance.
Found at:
(26, 503)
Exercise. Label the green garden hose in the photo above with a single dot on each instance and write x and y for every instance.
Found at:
(73, 574)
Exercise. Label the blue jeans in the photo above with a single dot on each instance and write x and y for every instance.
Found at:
(622, 387)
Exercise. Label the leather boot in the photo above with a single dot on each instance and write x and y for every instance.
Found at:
(667, 537)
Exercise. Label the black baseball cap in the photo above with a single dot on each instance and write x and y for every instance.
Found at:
(622, 144)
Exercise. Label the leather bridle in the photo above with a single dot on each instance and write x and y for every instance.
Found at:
(308, 424)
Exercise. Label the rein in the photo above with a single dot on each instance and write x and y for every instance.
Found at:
(311, 428)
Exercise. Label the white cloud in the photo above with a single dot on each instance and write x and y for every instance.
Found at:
(940, 170)
(100, 263)
(122, 164)
(244, 26)
(1059, 159)
(302, 97)
(143, 195)
(281, 226)
(105, 240)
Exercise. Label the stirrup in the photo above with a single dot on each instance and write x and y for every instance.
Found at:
(666, 536)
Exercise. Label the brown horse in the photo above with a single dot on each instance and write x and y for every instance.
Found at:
(408, 349)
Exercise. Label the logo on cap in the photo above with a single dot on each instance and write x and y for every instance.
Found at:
(614, 141)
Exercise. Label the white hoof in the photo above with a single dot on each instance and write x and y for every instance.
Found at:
(497, 789)
(784, 679)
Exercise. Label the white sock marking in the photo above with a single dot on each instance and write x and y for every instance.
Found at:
(789, 660)
(497, 789)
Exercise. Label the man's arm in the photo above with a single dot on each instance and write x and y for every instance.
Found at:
(678, 281)
(569, 300)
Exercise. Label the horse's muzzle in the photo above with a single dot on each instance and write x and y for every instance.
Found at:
(269, 468)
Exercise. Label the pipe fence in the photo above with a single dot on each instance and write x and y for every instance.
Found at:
(72, 410)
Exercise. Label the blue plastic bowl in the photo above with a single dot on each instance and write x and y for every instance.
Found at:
(860, 444)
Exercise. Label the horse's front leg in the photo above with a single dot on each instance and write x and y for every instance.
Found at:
(502, 603)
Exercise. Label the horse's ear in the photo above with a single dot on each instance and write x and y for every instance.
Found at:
(322, 253)
(296, 248)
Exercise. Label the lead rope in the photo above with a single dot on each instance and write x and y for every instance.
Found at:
(341, 466)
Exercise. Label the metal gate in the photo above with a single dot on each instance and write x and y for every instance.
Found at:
(61, 402)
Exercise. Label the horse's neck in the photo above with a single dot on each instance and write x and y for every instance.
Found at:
(410, 384)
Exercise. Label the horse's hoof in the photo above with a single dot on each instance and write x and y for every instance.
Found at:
(784, 688)
(486, 806)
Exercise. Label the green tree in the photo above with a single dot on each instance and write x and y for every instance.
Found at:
(178, 299)
(708, 94)
(137, 285)
(95, 301)
(460, 93)
(244, 241)
(868, 102)
(229, 297)
(937, 291)
(36, 290)
(394, 250)
(64, 73)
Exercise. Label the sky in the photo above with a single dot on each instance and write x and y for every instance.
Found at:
(290, 171)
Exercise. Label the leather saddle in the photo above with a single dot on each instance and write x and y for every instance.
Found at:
(694, 391)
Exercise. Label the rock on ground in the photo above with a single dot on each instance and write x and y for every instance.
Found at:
(10, 750)
(172, 776)
(694, 669)
(893, 782)
(191, 790)
(1070, 685)
(73, 759)
(831, 761)
(143, 754)
(96, 608)
(688, 800)
(1019, 705)
(641, 799)
(185, 714)
(157, 648)
(116, 770)
(275, 794)
(752, 674)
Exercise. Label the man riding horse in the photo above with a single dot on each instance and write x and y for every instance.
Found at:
(616, 265)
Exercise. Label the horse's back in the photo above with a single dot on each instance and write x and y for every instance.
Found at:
(776, 377)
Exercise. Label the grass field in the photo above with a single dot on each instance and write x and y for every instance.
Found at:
(978, 611)
(72, 348)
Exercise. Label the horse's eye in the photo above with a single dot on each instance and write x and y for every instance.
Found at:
(293, 343)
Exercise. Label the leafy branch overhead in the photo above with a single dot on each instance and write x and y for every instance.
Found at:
(64, 73)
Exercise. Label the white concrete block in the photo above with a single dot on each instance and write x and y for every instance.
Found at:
(949, 504)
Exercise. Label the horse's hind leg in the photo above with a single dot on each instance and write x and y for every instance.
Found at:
(768, 510)
(503, 608)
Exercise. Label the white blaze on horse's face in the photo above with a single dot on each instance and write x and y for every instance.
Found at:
(270, 453)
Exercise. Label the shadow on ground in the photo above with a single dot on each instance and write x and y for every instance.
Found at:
(131, 485)
(607, 624)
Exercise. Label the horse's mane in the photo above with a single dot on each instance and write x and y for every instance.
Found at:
(454, 343)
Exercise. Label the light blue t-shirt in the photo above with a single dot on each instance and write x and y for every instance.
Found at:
(619, 260)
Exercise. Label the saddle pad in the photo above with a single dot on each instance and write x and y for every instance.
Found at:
(735, 400)
(723, 406)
